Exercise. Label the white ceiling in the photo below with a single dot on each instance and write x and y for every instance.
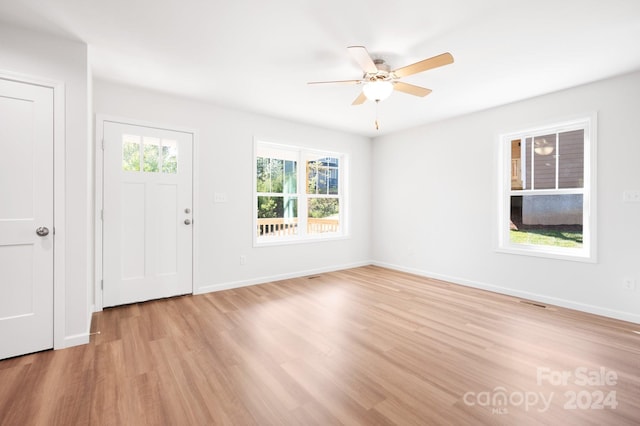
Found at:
(257, 55)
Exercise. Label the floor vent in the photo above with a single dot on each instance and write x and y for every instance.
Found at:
(313, 277)
(537, 305)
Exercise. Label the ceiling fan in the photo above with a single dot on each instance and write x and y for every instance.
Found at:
(378, 79)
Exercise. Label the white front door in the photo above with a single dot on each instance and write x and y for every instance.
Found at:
(26, 218)
(147, 231)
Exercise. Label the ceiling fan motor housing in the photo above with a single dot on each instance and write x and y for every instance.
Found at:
(383, 71)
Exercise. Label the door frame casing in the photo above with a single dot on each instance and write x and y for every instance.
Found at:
(100, 120)
(59, 198)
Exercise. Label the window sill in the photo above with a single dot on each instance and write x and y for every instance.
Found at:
(574, 255)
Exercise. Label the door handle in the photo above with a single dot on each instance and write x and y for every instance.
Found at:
(187, 221)
(42, 231)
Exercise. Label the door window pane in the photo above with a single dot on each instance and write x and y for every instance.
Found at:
(169, 156)
(131, 153)
(151, 154)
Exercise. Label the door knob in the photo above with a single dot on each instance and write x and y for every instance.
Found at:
(43, 231)
(187, 221)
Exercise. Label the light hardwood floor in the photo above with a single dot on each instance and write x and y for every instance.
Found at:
(362, 346)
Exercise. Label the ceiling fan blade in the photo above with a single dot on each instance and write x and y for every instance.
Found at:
(411, 89)
(362, 57)
(360, 99)
(336, 82)
(424, 65)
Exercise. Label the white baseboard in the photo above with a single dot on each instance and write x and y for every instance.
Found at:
(591, 309)
(267, 279)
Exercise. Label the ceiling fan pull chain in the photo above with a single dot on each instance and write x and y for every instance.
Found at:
(377, 124)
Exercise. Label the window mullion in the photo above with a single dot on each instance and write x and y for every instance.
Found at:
(303, 204)
(557, 164)
(533, 166)
(523, 162)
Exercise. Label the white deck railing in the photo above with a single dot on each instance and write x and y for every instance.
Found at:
(282, 227)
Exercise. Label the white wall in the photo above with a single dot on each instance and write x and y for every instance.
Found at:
(50, 58)
(434, 203)
(224, 163)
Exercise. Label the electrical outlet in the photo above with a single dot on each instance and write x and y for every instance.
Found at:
(220, 197)
(629, 284)
(631, 196)
(243, 259)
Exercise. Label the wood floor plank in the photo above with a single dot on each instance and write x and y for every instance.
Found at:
(361, 346)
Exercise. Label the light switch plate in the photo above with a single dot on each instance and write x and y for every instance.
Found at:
(631, 196)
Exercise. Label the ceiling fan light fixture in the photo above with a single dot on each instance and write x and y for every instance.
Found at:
(377, 90)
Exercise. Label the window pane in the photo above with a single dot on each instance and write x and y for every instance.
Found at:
(151, 154)
(131, 153)
(516, 165)
(276, 175)
(323, 215)
(290, 177)
(277, 216)
(549, 220)
(322, 176)
(571, 159)
(312, 177)
(169, 156)
(544, 162)
(262, 175)
(333, 181)
(282, 207)
(322, 179)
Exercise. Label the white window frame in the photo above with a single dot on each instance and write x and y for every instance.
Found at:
(301, 155)
(587, 253)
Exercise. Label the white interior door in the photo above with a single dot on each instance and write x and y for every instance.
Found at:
(26, 205)
(147, 231)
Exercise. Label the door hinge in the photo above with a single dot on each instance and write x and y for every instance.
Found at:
(101, 284)
(101, 214)
(103, 144)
